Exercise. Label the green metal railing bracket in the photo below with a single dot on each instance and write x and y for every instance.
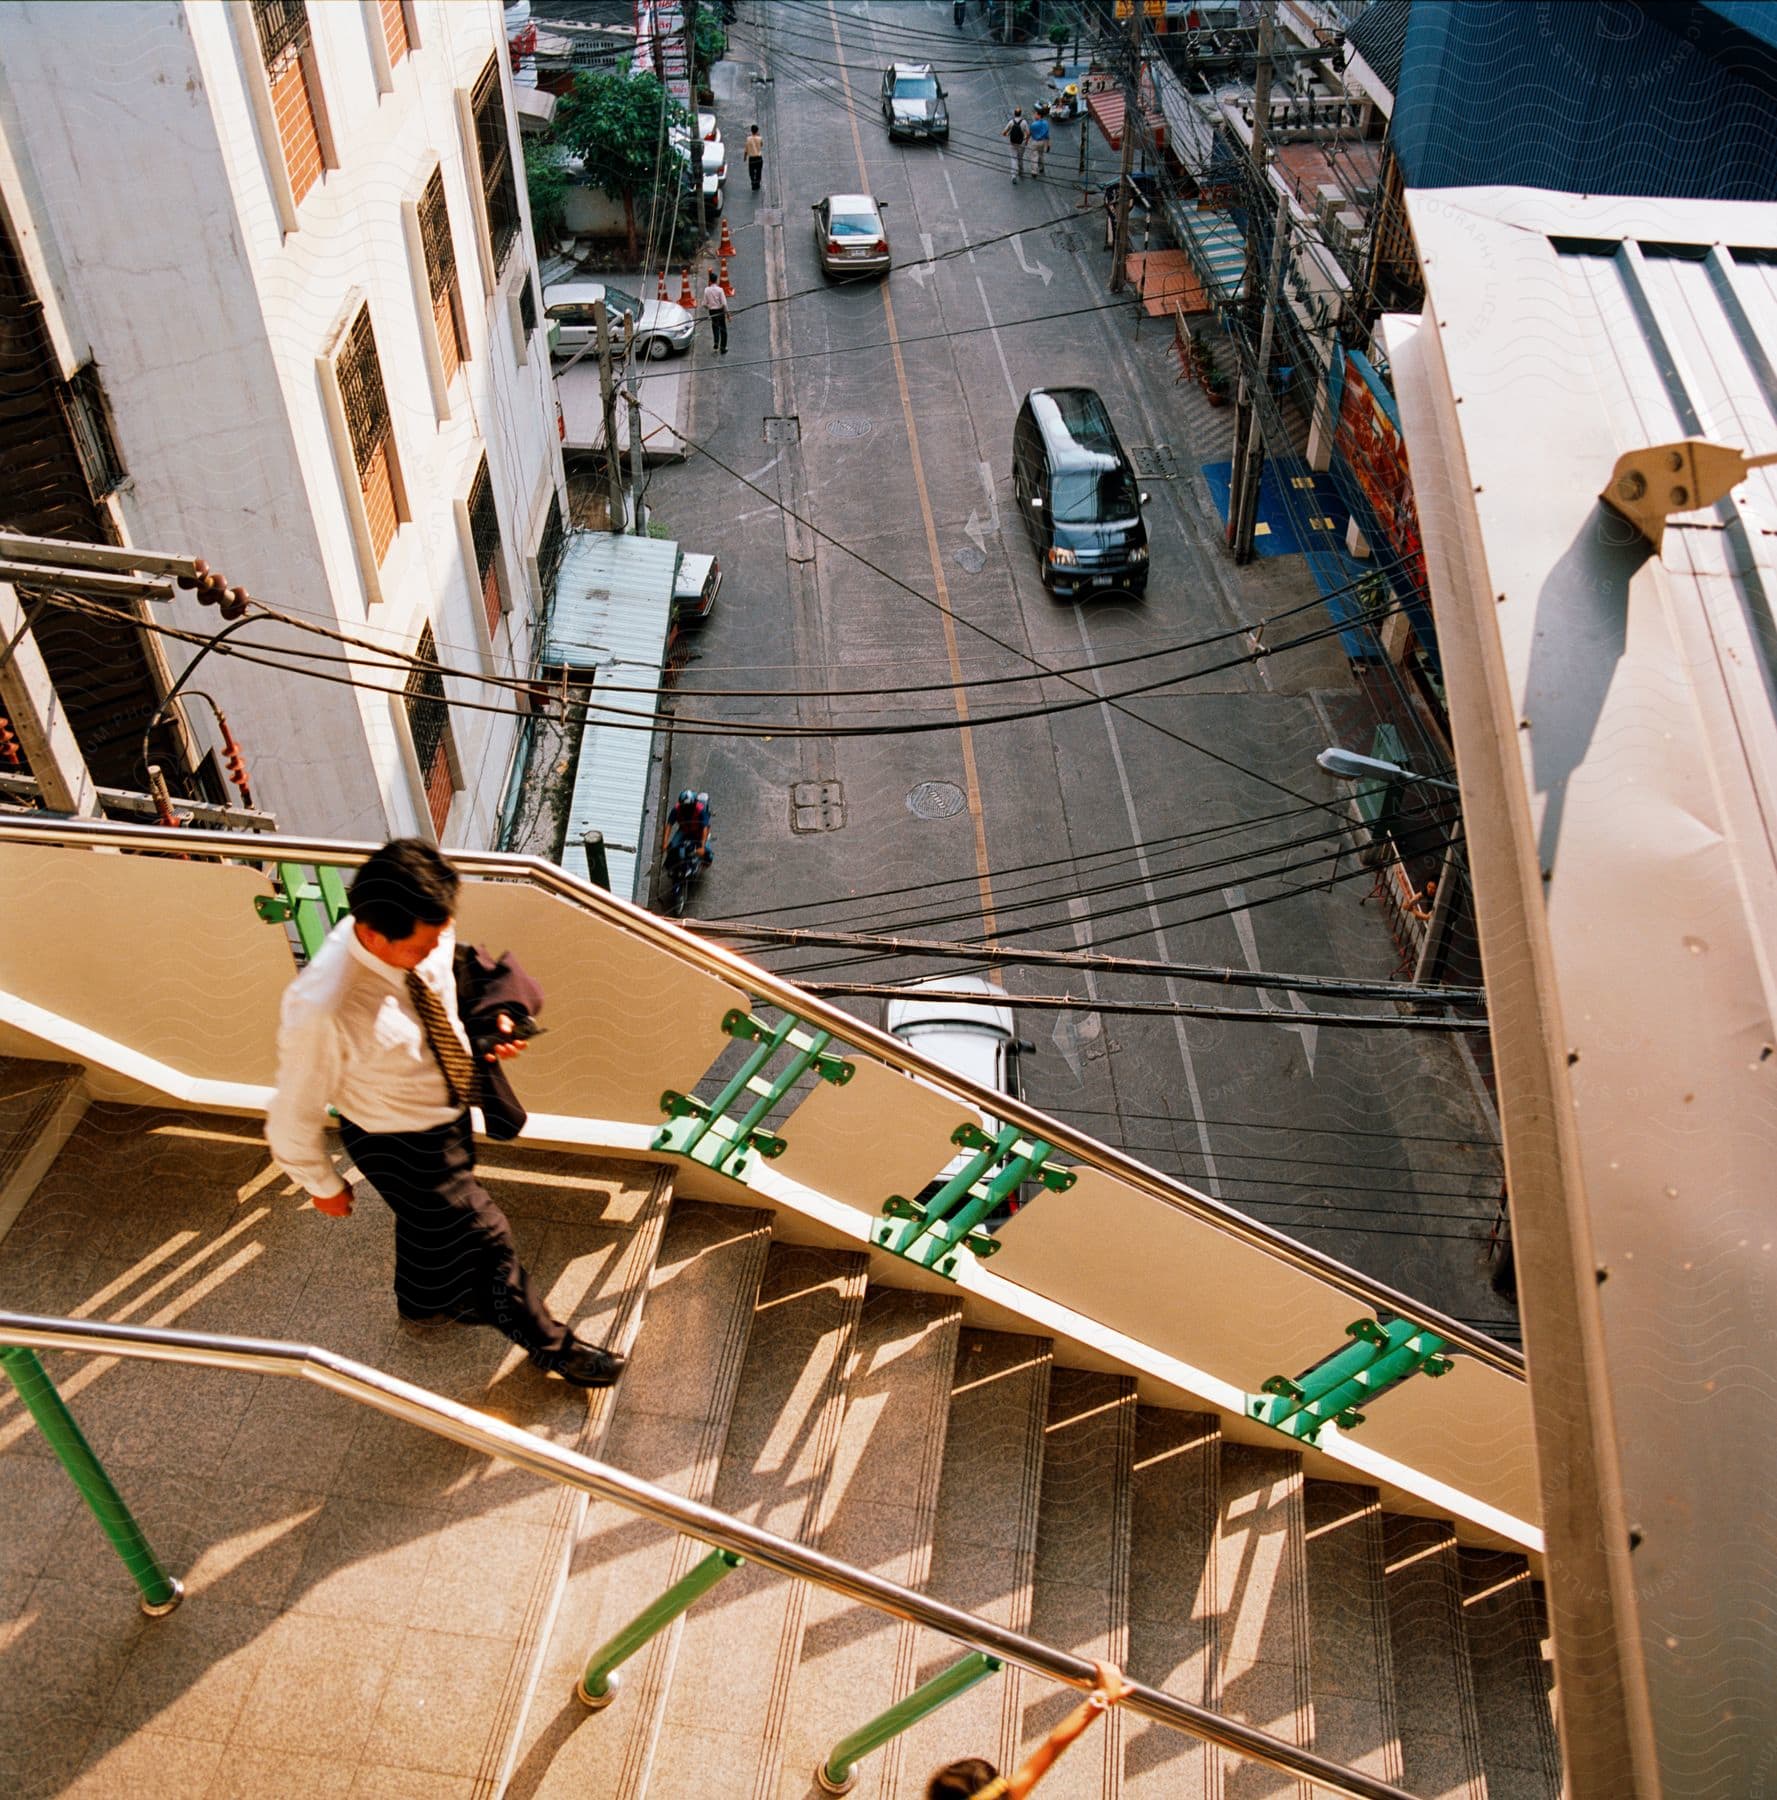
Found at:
(598, 1686)
(1379, 1357)
(936, 1232)
(314, 900)
(160, 1591)
(705, 1131)
(840, 1771)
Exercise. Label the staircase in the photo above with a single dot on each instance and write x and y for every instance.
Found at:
(374, 1611)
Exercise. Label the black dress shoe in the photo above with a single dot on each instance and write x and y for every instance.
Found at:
(587, 1365)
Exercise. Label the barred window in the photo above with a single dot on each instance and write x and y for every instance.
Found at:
(527, 304)
(372, 430)
(88, 413)
(395, 30)
(499, 189)
(284, 38)
(484, 532)
(551, 547)
(441, 275)
(428, 718)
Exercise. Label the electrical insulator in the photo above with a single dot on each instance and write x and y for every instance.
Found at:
(235, 761)
(235, 602)
(10, 754)
(188, 582)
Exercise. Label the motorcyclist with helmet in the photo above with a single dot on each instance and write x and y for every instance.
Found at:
(690, 820)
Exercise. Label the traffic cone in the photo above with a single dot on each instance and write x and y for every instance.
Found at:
(685, 298)
(726, 247)
(726, 285)
(664, 295)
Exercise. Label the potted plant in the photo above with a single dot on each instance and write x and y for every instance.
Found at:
(1058, 36)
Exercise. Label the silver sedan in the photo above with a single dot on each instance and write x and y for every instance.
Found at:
(850, 237)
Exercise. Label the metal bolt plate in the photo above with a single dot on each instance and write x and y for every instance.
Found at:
(967, 557)
(935, 800)
(1157, 461)
(783, 428)
(817, 806)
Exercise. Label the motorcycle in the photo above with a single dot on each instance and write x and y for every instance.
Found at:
(681, 866)
(958, 8)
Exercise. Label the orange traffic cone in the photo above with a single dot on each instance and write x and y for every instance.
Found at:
(664, 295)
(727, 286)
(685, 298)
(726, 247)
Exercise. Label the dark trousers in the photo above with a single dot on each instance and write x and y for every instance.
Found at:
(453, 1247)
(755, 169)
(719, 328)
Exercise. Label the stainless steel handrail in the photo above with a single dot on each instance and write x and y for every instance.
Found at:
(714, 960)
(449, 1418)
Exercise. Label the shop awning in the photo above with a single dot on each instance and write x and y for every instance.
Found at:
(1108, 107)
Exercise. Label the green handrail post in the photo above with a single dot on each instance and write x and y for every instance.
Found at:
(837, 1774)
(598, 1686)
(160, 1591)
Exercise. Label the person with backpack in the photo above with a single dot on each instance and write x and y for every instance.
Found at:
(1017, 134)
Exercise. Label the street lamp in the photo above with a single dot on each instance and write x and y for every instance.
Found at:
(1347, 765)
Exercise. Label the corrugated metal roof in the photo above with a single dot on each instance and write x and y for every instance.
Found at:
(613, 605)
(1379, 36)
(1615, 711)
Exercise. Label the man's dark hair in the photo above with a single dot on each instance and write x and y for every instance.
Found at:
(961, 1780)
(406, 883)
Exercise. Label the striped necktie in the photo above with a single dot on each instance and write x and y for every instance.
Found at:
(447, 1048)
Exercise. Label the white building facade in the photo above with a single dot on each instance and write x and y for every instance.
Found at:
(295, 244)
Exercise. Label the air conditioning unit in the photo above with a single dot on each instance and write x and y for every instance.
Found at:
(1329, 199)
(1345, 228)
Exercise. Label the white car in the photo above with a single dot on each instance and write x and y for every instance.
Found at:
(663, 327)
(713, 155)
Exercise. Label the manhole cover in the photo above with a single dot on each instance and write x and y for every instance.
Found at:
(966, 556)
(935, 800)
(1064, 240)
(783, 428)
(854, 425)
(817, 806)
(1156, 460)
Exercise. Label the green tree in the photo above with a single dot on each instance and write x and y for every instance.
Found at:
(547, 181)
(614, 124)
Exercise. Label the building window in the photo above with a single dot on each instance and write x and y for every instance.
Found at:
(395, 30)
(551, 546)
(441, 276)
(428, 719)
(484, 534)
(284, 37)
(527, 304)
(372, 432)
(89, 422)
(493, 147)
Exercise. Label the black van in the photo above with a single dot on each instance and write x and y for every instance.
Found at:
(1077, 493)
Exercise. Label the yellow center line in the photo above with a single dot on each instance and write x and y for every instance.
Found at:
(961, 699)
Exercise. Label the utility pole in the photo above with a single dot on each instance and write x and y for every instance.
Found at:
(1131, 112)
(608, 402)
(632, 392)
(1245, 413)
(1249, 468)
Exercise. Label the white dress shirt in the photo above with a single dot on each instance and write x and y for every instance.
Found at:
(348, 1037)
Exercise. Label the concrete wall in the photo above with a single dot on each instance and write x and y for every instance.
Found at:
(148, 180)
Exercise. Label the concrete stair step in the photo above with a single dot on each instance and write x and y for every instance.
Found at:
(985, 1545)
(1351, 1664)
(880, 1513)
(1504, 1627)
(1261, 1601)
(671, 1422)
(1081, 1598)
(1175, 1522)
(40, 1104)
(740, 1645)
(1435, 1702)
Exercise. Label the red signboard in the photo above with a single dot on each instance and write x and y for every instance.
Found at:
(663, 44)
(1370, 442)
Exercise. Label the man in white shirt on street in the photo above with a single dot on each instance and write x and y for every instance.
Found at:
(371, 1028)
(715, 303)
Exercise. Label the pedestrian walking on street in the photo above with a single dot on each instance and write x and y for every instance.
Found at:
(1039, 136)
(715, 303)
(755, 155)
(372, 1029)
(1017, 134)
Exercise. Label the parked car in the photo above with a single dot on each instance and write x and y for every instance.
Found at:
(850, 236)
(712, 159)
(1076, 491)
(662, 326)
(695, 587)
(913, 102)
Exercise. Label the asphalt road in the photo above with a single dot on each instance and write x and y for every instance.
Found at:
(1174, 825)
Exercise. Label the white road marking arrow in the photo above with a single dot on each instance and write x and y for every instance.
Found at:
(1041, 268)
(1249, 948)
(977, 532)
(921, 270)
